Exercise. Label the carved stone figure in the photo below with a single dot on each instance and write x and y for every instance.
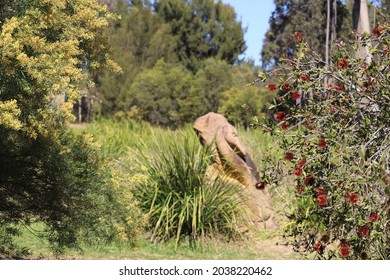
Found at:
(232, 160)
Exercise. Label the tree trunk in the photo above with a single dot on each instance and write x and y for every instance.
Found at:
(80, 116)
(361, 24)
(327, 32)
(89, 109)
(327, 39)
(364, 23)
(333, 29)
(331, 34)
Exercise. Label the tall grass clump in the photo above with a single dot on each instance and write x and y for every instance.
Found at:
(180, 198)
(116, 136)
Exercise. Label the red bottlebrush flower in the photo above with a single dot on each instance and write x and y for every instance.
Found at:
(297, 171)
(322, 143)
(272, 87)
(289, 156)
(286, 87)
(321, 200)
(298, 36)
(344, 250)
(376, 32)
(374, 217)
(364, 231)
(342, 64)
(280, 116)
(339, 87)
(304, 77)
(319, 248)
(309, 180)
(284, 126)
(260, 185)
(353, 197)
(301, 163)
(320, 191)
(295, 95)
(300, 189)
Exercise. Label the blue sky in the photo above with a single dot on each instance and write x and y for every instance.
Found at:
(254, 14)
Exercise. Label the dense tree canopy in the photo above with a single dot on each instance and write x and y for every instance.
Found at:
(166, 95)
(202, 37)
(203, 29)
(308, 18)
(139, 39)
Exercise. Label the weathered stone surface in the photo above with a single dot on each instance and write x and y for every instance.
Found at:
(232, 160)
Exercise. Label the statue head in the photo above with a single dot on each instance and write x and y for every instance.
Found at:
(232, 158)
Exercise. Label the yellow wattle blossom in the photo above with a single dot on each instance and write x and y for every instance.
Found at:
(45, 50)
(9, 113)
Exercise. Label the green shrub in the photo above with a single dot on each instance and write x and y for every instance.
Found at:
(241, 105)
(180, 200)
(62, 184)
(95, 206)
(8, 247)
(336, 144)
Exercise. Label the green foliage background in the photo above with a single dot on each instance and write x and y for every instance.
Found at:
(174, 61)
(177, 58)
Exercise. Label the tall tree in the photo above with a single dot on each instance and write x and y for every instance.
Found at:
(201, 35)
(166, 95)
(138, 39)
(203, 29)
(306, 17)
(215, 78)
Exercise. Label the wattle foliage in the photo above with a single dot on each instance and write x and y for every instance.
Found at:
(48, 49)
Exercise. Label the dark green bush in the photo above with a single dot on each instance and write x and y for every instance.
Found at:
(61, 183)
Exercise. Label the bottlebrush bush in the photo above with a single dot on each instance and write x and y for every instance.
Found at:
(333, 122)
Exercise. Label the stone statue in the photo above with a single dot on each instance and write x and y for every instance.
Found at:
(232, 160)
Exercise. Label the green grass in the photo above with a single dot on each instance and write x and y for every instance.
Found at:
(263, 246)
(118, 137)
(121, 142)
